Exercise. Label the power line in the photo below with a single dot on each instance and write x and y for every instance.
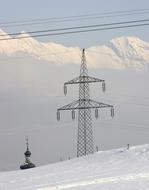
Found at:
(78, 27)
(77, 17)
(68, 20)
(83, 31)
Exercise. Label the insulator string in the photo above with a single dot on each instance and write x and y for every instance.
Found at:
(65, 89)
(96, 113)
(112, 112)
(58, 115)
(103, 86)
(73, 115)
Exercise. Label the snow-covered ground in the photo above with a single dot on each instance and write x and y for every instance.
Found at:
(119, 169)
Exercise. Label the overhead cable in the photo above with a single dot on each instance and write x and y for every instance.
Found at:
(73, 18)
(78, 27)
(77, 31)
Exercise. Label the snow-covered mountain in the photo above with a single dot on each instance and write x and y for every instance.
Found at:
(119, 169)
(120, 53)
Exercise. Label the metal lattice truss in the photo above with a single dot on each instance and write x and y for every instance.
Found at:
(89, 104)
(83, 79)
(84, 106)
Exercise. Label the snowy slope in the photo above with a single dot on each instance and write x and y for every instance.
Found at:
(120, 53)
(119, 169)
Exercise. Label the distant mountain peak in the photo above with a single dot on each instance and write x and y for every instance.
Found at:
(127, 40)
(24, 34)
(122, 52)
(3, 34)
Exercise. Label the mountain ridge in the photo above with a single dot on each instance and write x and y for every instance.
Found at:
(120, 53)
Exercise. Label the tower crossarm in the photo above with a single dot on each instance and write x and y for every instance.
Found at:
(71, 106)
(84, 79)
(89, 104)
(95, 104)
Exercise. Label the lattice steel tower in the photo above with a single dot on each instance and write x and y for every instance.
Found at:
(84, 105)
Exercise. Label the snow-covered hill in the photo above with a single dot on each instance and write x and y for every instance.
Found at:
(119, 169)
(120, 53)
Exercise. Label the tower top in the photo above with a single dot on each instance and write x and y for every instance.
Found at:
(83, 68)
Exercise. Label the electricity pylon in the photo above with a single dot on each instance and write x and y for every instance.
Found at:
(84, 105)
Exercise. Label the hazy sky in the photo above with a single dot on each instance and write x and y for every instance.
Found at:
(31, 90)
(32, 9)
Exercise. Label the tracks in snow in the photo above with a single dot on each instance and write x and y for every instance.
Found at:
(96, 181)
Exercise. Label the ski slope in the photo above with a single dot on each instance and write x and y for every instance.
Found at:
(119, 169)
